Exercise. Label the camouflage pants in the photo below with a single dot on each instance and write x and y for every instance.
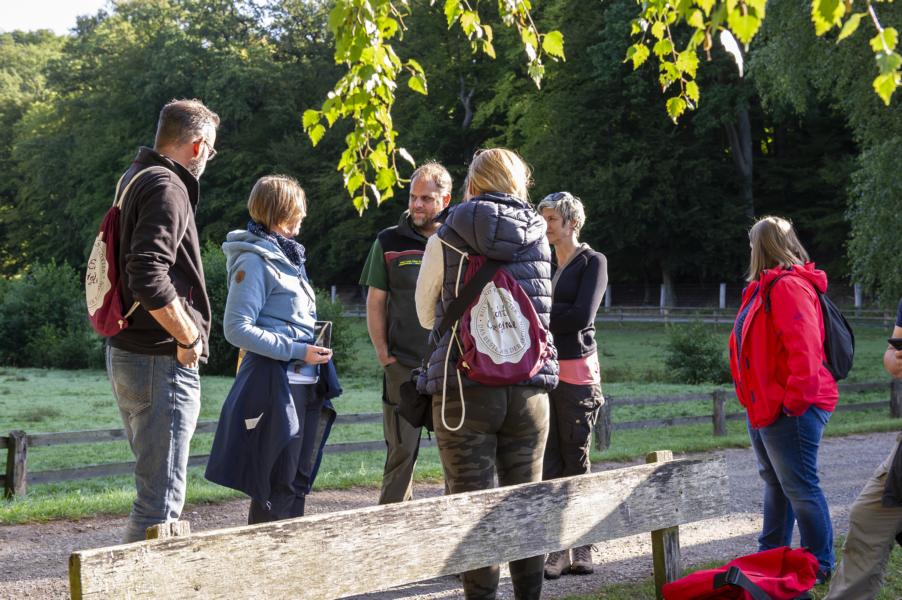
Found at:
(574, 409)
(402, 440)
(504, 433)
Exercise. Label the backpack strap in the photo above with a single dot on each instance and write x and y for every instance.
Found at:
(118, 198)
(735, 577)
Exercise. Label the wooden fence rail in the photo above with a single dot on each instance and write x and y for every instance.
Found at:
(17, 477)
(425, 538)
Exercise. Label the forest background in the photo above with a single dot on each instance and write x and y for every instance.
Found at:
(802, 135)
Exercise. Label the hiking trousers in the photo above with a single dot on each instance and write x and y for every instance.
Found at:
(402, 440)
(504, 433)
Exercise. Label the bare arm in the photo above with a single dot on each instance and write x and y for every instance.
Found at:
(376, 324)
(892, 358)
(179, 325)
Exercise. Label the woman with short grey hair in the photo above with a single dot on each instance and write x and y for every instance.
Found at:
(577, 287)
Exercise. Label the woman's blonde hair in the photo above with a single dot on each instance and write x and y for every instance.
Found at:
(499, 170)
(774, 243)
(276, 201)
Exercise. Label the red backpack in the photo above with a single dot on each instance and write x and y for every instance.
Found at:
(503, 341)
(102, 293)
(778, 574)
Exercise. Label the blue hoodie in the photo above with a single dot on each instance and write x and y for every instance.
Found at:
(271, 307)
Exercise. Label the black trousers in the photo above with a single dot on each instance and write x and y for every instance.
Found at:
(574, 409)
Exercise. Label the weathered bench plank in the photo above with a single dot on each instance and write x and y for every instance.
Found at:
(425, 538)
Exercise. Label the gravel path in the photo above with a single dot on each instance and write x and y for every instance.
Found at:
(34, 557)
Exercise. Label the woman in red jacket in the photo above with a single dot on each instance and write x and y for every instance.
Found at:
(778, 365)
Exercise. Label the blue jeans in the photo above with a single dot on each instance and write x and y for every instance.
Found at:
(787, 462)
(159, 401)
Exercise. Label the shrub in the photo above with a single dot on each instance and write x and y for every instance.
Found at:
(223, 355)
(342, 333)
(696, 354)
(43, 320)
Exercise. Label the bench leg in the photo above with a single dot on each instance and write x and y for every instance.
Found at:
(665, 543)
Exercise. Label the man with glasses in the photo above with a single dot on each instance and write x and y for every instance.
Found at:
(391, 272)
(153, 362)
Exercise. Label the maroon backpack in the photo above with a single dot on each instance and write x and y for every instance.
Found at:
(104, 299)
(779, 574)
(503, 341)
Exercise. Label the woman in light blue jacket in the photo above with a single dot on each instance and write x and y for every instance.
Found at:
(270, 312)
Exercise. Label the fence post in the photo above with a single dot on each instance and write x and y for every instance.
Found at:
(603, 426)
(895, 399)
(857, 288)
(663, 301)
(607, 297)
(333, 293)
(665, 543)
(720, 413)
(722, 301)
(15, 483)
(168, 530)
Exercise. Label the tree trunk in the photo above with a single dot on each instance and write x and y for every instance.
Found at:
(669, 293)
(740, 136)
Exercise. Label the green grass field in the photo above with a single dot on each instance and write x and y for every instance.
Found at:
(37, 400)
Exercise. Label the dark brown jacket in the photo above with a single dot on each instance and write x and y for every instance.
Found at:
(159, 257)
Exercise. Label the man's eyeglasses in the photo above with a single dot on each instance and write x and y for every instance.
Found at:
(211, 151)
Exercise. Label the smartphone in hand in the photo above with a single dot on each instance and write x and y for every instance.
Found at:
(895, 343)
(322, 334)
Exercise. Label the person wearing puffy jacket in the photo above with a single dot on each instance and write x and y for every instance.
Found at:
(482, 429)
(778, 365)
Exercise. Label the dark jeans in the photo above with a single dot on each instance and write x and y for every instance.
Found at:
(289, 489)
(504, 432)
(787, 462)
(574, 409)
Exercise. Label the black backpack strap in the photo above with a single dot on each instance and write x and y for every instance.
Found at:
(735, 577)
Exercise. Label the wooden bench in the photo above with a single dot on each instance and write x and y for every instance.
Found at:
(425, 538)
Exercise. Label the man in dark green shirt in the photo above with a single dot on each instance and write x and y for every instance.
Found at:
(391, 272)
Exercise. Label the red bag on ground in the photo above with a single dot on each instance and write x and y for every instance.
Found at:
(503, 340)
(779, 574)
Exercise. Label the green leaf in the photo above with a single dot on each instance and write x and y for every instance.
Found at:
(687, 62)
(888, 62)
(489, 49)
(536, 71)
(311, 118)
(662, 48)
(658, 29)
(638, 53)
(888, 37)
(827, 13)
(452, 11)
(468, 22)
(417, 83)
(675, 107)
(353, 183)
(705, 5)
(528, 37)
(885, 85)
(850, 26)
(692, 91)
(553, 44)
(360, 204)
(385, 178)
(316, 134)
(696, 19)
(744, 26)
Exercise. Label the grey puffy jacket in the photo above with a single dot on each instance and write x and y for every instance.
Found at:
(504, 228)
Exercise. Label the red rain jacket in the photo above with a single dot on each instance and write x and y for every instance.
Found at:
(781, 366)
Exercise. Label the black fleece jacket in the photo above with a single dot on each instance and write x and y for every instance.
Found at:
(159, 254)
(575, 299)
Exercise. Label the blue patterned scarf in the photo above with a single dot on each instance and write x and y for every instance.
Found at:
(293, 250)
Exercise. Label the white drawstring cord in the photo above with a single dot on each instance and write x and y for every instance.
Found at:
(460, 387)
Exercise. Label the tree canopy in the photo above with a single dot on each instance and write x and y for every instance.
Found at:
(801, 133)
